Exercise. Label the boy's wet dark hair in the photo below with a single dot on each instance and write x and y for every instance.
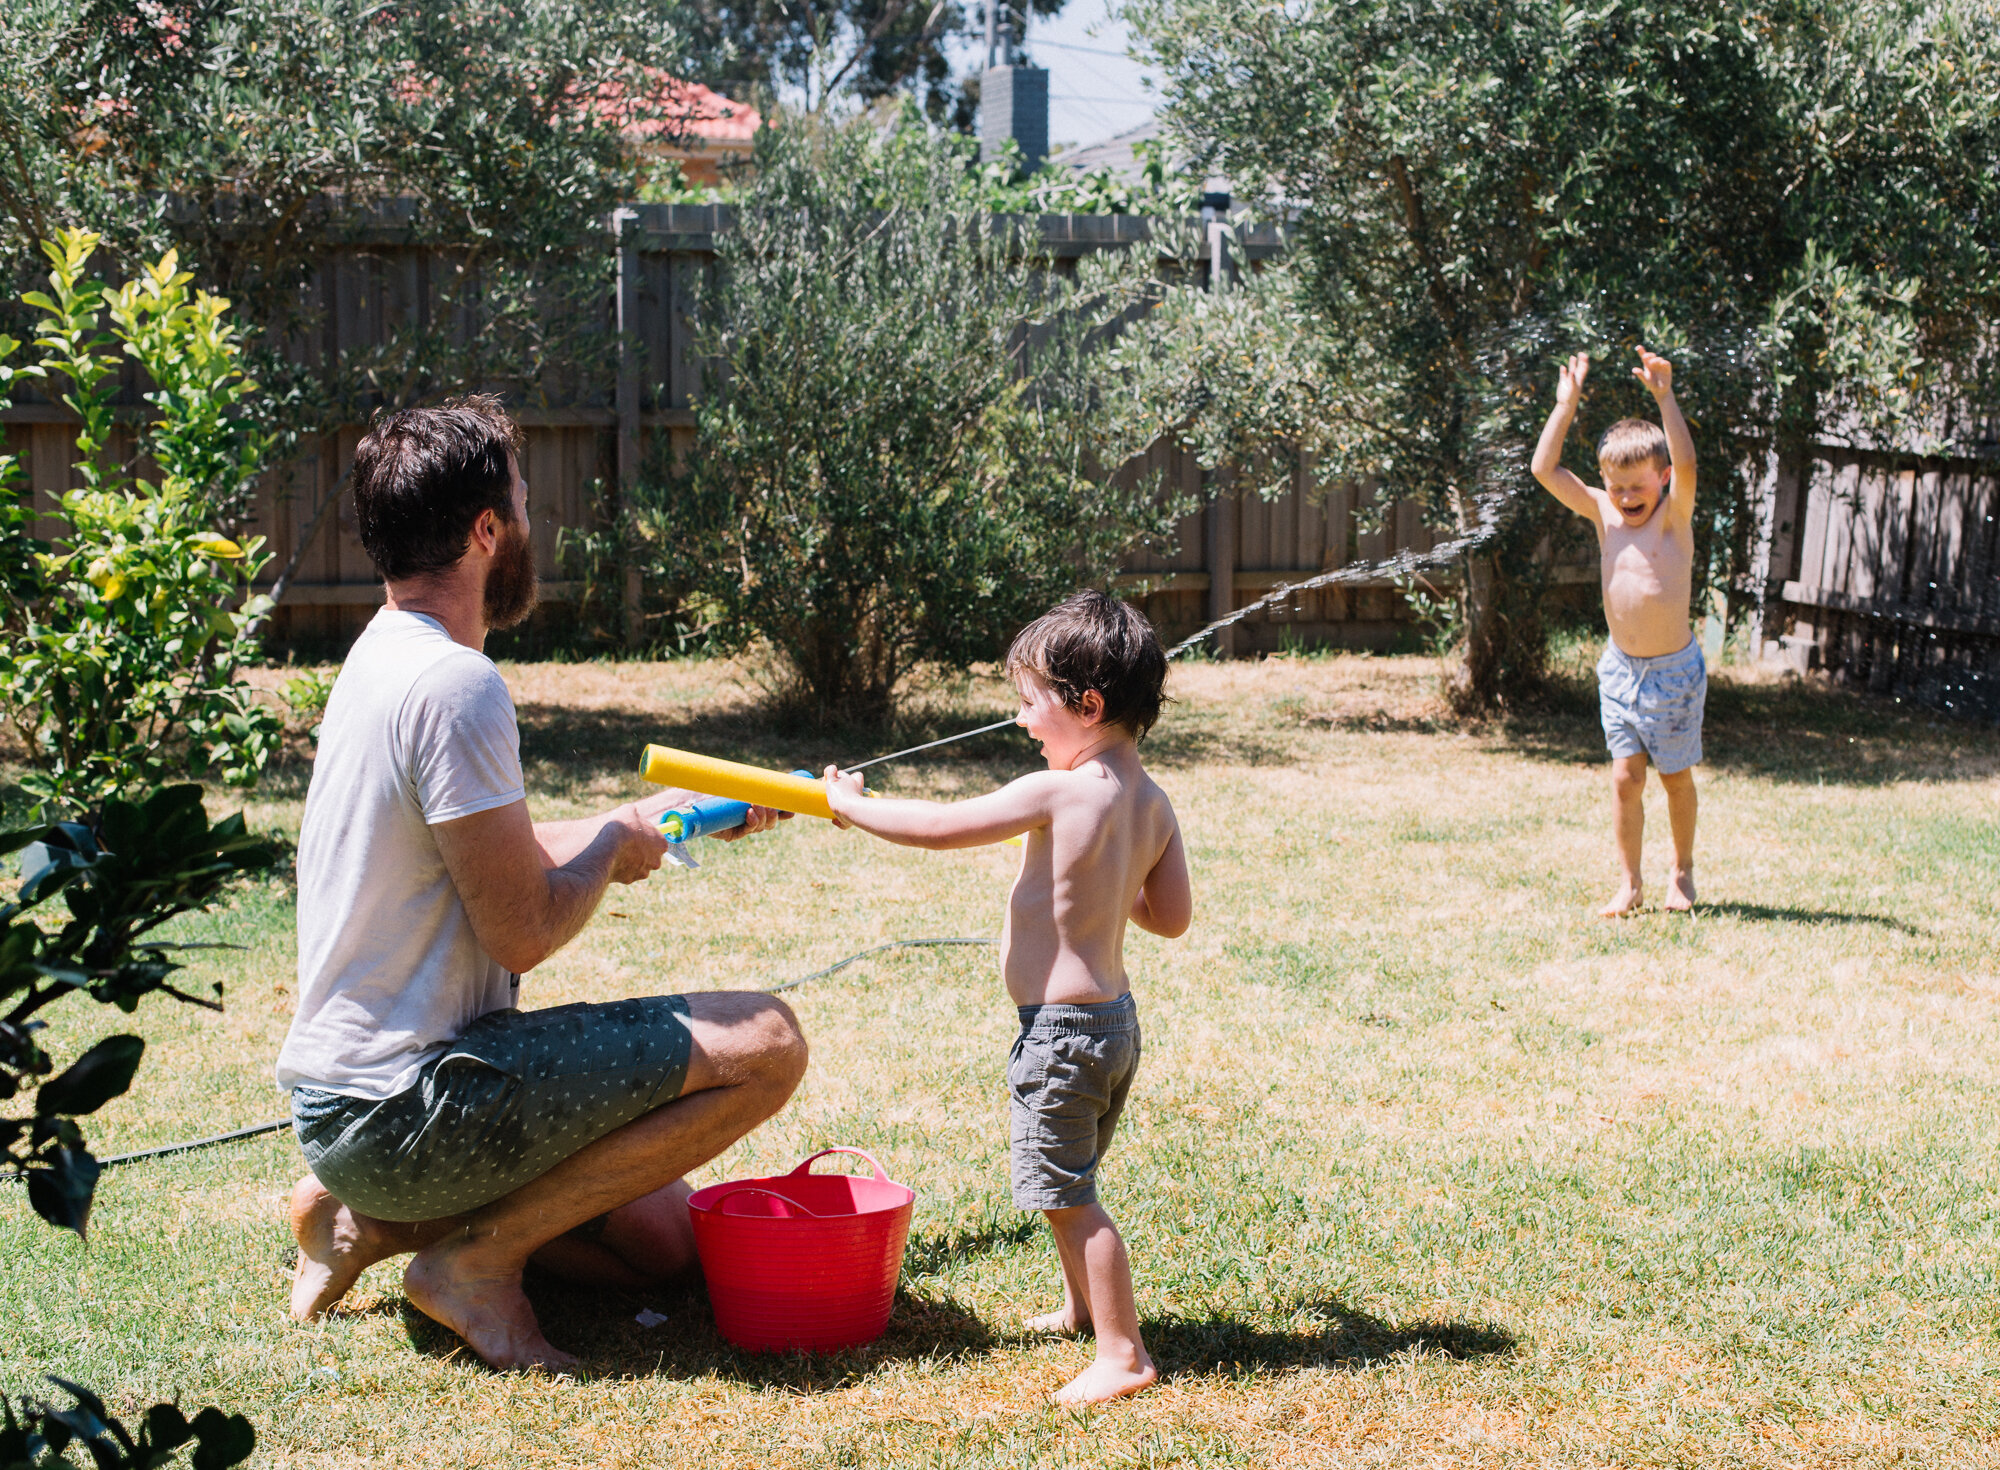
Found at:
(1091, 641)
(424, 475)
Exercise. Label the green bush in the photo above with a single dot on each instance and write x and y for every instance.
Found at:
(125, 633)
(898, 455)
(122, 875)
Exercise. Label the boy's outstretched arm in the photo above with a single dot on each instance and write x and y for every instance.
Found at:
(979, 822)
(1548, 465)
(1658, 376)
(1165, 905)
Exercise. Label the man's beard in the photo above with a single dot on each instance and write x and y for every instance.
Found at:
(511, 586)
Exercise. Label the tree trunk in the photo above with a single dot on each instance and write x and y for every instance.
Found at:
(1474, 687)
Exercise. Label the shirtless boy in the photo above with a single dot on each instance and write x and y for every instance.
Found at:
(1652, 681)
(1101, 847)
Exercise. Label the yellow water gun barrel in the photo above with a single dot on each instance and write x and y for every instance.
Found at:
(665, 766)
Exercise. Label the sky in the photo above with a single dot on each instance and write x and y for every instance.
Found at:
(1095, 89)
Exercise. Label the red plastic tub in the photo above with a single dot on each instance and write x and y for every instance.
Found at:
(801, 1260)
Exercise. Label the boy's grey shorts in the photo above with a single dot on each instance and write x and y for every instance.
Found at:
(519, 1092)
(1654, 705)
(1069, 1073)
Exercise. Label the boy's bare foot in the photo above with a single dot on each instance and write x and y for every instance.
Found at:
(1680, 891)
(1625, 901)
(335, 1247)
(1101, 1382)
(449, 1284)
(1061, 1323)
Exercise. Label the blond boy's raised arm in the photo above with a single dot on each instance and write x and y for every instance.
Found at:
(1658, 376)
(1548, 465)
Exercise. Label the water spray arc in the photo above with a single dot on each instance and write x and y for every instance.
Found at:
(732, 786)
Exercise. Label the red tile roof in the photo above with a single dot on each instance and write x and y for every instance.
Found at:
(677, 107)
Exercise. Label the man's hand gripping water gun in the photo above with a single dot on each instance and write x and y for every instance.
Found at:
(736, 799)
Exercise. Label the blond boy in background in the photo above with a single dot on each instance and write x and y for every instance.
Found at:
(1652, 681)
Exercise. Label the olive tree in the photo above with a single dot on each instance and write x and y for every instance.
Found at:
(1797, 202)
(899, 455)
(249, 135)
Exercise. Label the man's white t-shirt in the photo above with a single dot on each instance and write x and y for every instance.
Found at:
(418, 730)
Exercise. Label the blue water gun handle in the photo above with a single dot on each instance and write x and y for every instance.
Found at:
(703, 817)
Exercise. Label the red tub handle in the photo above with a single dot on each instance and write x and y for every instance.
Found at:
(728, 1194)
(862, 1153)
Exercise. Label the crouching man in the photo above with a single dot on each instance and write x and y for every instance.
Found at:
(436, 1116)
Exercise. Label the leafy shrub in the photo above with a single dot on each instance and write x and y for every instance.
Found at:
(123, 639)
(898, 455)
(122, 875)
(305, 695)
(496, 132)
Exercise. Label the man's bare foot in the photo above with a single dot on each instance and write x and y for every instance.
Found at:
(1680, 891)
(450, 1284)
(1625, 901)
(1066, 1322)
(335, 1247)
(1101, 1382)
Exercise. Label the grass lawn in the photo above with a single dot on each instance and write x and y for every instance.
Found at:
(1425, 1163)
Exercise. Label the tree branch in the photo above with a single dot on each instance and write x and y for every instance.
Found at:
(1419, 231)
(299, 549)
(891, 13)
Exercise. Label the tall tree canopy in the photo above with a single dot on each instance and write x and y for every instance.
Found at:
(241, 131)
(1798, 200)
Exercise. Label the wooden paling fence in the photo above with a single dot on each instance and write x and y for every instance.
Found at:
(1879, 569)
(1885, 571)
(373, 283)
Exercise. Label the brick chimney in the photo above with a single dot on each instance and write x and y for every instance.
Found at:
(1014, 103)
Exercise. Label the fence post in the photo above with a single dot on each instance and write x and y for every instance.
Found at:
(624, 230)
(1221, 556)
(1776, 559)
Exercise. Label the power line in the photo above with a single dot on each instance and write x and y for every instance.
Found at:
(1086, 50)
(1098, 73)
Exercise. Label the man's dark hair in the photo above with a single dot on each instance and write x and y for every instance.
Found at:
(423, 475)
(1091, 641)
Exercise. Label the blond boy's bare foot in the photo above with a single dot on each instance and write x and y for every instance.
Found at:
(1680, 892)
(335, 1247)
(450, 1284)
(1066, 1322)
(1103, 1381)
(1625, 901)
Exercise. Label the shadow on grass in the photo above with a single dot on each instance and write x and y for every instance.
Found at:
(1793, 732)
(603, 1329)
(679, 1338)
(1767, 913)
(1342, 1338)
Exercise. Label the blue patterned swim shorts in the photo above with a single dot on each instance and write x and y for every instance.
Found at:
(1654, 705)
(519, 1092)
